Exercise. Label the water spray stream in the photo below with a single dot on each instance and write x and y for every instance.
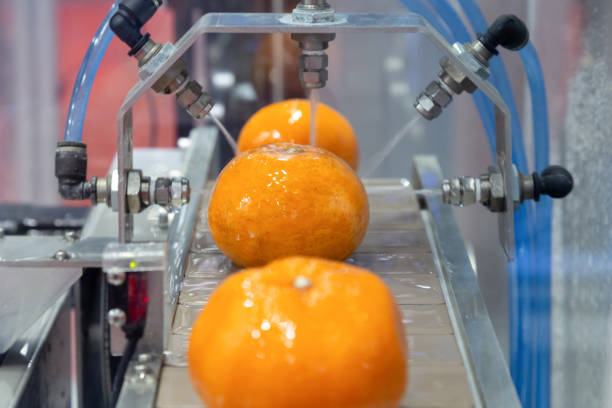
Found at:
(314, 101)
(380, 157)
(230, 140)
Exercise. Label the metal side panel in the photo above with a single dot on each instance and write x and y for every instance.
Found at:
(402, 246)
(475, 331)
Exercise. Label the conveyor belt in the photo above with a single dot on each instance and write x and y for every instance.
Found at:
(397, 248)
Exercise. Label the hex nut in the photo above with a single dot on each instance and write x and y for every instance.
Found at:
(313, 62)
(201, 107)
(454, 78)
(310, 16)
(173, 79)
(134, 182)
(114, 190)
(313, 79)
(162, 191)
(179, 191)
(427, 108)
(175, 192)
(497, 202)
(438, 94)
(188, 95)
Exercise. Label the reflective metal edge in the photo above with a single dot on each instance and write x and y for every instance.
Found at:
(142, 377)
(19, 361)
(197, 170)
(487, 370)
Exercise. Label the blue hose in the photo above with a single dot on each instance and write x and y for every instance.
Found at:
(85, 78)
(529, 339)
(541, 276)
(483, 105)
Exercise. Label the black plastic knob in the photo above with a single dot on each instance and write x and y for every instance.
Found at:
(508, 31)
(555, 181)
(129, 19)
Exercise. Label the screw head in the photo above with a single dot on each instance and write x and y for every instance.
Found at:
(71, 236)
(61, 255)
(116, 317)
(115, 278)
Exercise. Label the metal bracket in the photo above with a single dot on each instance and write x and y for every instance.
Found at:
(263, 23)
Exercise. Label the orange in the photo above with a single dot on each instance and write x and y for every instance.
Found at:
(300, 332)
(289, 121)
(285, 199)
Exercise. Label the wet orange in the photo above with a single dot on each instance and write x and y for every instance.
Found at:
(300, 332)
(289, 121)
(285, 199)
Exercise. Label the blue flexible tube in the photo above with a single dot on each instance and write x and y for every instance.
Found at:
(85, 78)
(542, 273)
(483, 105)
(530, 340)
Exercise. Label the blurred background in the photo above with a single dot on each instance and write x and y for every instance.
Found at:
(374, 80)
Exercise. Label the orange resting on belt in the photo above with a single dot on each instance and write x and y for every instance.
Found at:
(289, 121)
(285, 199)
(300, 332)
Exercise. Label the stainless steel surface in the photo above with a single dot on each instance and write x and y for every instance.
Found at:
(348, 23)
(451, 345)
(163, 265)
(18, 363)
(141, 382)
(477, 339)
(150, 259)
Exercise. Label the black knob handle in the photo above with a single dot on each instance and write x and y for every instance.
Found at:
(555, 181)
(129, 19)
(508, 31)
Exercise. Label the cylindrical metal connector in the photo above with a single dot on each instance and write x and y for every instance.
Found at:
(433, 100)
(461, 191)
(173, 192)
(194, 100)
(451, 80)
(313, 61)
(313, 4)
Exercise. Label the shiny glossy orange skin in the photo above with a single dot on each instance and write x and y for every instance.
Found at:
(262, 342)
(289, 121)
(285, 199)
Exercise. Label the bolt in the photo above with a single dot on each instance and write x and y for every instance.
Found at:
(116, 317)
(115, 278)
(61, 255)
(71, 236)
